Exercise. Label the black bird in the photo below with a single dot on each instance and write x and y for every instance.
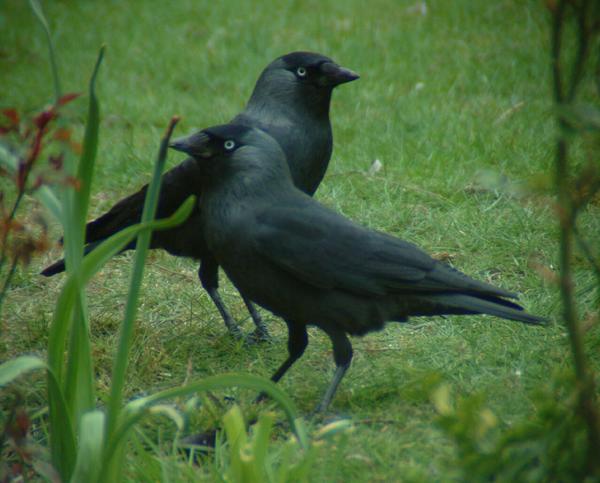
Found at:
(291, 102)
(310, 265)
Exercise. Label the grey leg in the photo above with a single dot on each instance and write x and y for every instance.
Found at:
(297, 342)
(342, 354)
(209, 278)
(260, 333)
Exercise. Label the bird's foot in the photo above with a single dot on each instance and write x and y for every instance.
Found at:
(235, 331)
(260, 334)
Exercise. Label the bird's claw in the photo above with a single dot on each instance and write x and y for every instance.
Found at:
(260, 334)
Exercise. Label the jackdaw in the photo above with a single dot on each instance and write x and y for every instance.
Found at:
(310, 265)
(291, 102)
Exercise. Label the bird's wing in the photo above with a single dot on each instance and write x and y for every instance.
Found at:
(177, 184)
(327, 250)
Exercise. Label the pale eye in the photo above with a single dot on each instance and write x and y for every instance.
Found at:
(229, 145)
(301, 71)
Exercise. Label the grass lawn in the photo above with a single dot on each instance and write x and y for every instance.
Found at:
(447, 100)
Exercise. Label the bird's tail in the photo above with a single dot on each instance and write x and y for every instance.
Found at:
(59, 266)
(468, 304)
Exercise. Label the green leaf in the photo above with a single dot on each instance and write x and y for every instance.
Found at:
(91, 442)
(261, 435)
(235, 430)
(85, 170)
(13, 368)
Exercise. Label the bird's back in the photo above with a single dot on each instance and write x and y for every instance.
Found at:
(306, 142)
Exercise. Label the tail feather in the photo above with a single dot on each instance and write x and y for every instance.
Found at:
(468, 304)
(55, 268)
(59, 266)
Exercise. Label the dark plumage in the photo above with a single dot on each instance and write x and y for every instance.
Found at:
(310, 265)
(291, 102)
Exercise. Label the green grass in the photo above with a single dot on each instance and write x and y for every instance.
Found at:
(484, 106)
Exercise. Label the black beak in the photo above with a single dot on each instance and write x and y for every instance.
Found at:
(336, 74)
(196, 145)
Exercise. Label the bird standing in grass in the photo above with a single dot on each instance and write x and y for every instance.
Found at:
(291, 102)
(310, 265)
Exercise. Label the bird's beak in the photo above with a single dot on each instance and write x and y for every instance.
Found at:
(335, 74)
(196, 145)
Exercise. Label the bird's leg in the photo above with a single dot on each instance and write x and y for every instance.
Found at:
(297, 342)
(260, 333)
(209, 278)
(342, 354)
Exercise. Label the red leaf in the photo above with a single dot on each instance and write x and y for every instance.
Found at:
(68, 98)
(12, 115)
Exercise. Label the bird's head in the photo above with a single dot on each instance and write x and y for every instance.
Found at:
(233, 148)
(308, 68)
(301, 79)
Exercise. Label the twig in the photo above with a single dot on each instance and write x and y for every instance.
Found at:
(7, 226)
(509, 112)
(582, 49)
(567, 220)
(7, 281)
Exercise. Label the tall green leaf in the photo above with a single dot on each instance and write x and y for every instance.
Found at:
(79, 384)
(143, 243)
(127, 327)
